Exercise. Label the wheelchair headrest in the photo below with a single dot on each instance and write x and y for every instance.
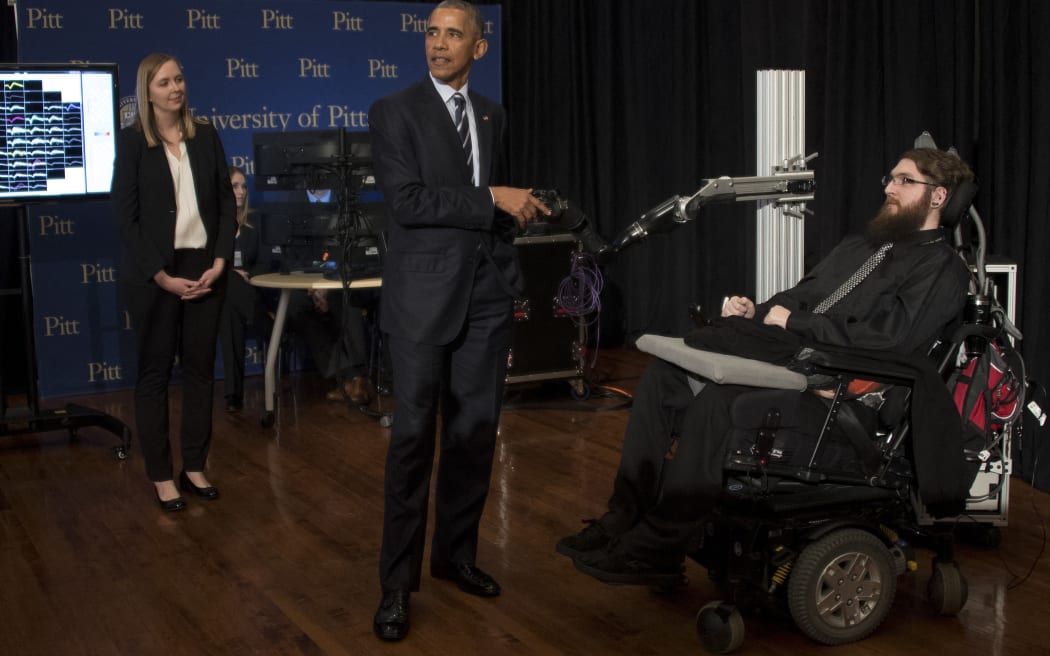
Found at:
(959, 202)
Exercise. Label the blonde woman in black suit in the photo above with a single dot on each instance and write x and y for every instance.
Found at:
(175, 205)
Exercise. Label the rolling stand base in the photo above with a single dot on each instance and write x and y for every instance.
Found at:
(19, 421)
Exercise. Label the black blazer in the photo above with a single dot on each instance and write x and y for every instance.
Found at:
(241, 296)
(143, 195)
(249, 242)
(441, 223)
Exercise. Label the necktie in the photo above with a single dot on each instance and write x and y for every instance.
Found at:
(463, 127)
(854, 280)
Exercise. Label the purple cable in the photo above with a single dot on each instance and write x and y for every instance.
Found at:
(579, 295)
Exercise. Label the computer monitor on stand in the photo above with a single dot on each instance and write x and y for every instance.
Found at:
(58, 131)
(304, 162)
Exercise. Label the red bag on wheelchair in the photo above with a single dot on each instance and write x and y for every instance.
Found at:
(987, 392)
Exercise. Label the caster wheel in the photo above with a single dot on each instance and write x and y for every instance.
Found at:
(267, 420)
(581, 391)
(720, 627)
(947, 589)
(120, 452)
(386, 421)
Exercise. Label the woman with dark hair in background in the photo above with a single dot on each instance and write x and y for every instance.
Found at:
(244, 304)
(173, 199)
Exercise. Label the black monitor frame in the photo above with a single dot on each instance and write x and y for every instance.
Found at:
(313, 159)
(96, 128)
(311, 234)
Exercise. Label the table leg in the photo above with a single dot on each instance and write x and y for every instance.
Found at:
(272, 349)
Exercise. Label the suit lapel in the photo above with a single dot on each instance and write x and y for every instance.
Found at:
(436, 114)
(193, 152)
(483, 123)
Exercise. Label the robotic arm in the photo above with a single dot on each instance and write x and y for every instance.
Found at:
(789, 187)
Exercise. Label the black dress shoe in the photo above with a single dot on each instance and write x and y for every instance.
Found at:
(171, 505)
(593, 536)
(391, 620)
(612, 565)
(211, 492)
(469, 578)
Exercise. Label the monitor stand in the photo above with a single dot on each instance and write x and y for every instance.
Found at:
(31, 418)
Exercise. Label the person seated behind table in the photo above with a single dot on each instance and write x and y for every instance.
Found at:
(244, 305)
(318, 317)
(670, 470)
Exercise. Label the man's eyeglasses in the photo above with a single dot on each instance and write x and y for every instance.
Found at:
(902, 179)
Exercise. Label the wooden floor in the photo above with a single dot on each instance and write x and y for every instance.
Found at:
(286, 561)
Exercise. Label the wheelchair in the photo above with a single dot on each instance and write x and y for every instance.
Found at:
(818, 528)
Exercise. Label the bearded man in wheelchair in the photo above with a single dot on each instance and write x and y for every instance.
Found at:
(881, 299)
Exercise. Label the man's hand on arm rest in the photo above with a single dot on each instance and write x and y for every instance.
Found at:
(738, 306)
(777, 316)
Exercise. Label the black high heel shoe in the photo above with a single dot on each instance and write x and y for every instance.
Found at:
(171, 505)
(210, 493)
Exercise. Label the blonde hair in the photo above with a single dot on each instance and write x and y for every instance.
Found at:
(242, 211)
(145, 120)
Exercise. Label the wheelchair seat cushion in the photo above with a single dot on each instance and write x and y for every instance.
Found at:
(719, 367)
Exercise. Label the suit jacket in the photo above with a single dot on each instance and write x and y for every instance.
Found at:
(143, 196)
(441, 224)
(240, 294)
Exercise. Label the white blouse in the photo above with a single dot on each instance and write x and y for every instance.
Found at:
(189, 227)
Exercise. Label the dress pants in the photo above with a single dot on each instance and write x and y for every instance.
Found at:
(670, 469)
(466, 379)
(337, 339)
(243, 306)
(166, 326)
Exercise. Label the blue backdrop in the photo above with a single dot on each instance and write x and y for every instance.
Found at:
(282, 66)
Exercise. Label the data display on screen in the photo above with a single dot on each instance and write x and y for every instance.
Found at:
(58, 130)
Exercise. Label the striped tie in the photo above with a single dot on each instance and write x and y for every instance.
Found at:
(854, 280)
(463, 127)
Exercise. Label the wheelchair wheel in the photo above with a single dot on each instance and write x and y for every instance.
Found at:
(947, 589)
(720, 627)
(842, 587)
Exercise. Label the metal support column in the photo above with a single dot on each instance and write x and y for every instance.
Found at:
(781, 126)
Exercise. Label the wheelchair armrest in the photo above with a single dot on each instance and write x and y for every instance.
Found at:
(853, 363)
(721, 368)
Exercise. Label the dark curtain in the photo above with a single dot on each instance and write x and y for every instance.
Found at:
(1012, 162)
(623, 104)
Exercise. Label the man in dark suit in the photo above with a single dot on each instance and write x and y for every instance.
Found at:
(449, 282)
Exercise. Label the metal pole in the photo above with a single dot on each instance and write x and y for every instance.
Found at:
(781, 129)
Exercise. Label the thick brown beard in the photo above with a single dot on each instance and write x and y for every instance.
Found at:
(894, 226)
